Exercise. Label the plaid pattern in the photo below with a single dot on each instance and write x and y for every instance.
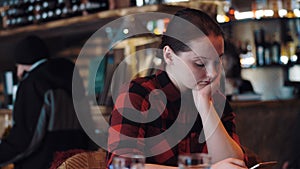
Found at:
(138, 97)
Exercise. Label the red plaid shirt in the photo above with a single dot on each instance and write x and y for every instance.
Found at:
(137, 97)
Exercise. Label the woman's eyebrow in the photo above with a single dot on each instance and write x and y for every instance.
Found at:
(203, 57)
(199, 58)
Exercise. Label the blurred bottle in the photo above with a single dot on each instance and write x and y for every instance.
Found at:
(275, 49)
(275, 4)
(297, 53)
(75, 8)
(259, 38)
(289, 6)
(290, 46)
(21, 13)
(15, 13)
(37, 11)
(30, 12)
(61, 9)
(10, 14)
(267, 50)
(48, 10)
(92, 6)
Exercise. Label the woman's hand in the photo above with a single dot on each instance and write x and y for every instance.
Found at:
(229, 163)
(203, 96)
(208, 90)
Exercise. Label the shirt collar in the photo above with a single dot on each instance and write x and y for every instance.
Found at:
(167, 86)
(36, 64)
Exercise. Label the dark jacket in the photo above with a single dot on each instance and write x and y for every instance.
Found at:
(44, 118)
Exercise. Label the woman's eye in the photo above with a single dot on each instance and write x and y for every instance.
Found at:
(200, 64)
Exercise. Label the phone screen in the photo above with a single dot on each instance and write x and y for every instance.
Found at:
(264, 164)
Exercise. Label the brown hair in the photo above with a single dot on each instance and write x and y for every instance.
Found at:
(194, 19)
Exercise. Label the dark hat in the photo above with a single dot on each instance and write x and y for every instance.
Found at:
(30, 49)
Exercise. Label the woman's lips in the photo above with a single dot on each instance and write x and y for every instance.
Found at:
(203, 83)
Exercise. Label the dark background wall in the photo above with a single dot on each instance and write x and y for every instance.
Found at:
(270, 129)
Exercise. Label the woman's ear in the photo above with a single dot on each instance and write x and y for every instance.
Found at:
(168, 55)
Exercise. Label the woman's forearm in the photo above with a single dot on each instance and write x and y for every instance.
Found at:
(219, 143)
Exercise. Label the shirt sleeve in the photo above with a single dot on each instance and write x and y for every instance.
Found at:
(228, 120)
(25, 114)
(126, 131)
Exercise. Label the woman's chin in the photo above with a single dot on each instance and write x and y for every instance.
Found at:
(192, 87)
(199, 86)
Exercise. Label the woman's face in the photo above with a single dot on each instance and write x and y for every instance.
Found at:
(197, 68)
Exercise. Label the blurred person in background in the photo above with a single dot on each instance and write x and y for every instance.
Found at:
(44, 119)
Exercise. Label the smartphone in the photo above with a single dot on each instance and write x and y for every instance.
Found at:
(264, 164)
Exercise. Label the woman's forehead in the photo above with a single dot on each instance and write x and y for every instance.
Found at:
(207, 46)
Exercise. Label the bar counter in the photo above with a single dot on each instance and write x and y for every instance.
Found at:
(5, 111)
(269, 128)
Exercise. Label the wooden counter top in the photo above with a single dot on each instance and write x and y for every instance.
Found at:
(267, 102)
(5, 111)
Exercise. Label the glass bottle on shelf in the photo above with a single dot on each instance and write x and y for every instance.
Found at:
(290, 46)
(44, 11)
(37, 10)
(260, 55)
(10, 15)
(75, 8)
(92, 6)
(289, 6)
(284, 59)
(297, 53)
(275, 49)
(60, 9)
(20, 13)
(48, 10)
(267, 51)
(30, 12)
(259, 36)
(275, 4)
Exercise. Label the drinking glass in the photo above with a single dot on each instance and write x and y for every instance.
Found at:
(194, 160)
(131, 162)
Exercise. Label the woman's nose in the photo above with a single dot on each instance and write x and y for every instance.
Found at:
(212, 70)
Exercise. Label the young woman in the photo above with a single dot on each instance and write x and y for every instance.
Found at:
(181, 108)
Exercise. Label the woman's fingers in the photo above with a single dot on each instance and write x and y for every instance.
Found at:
(236, 162)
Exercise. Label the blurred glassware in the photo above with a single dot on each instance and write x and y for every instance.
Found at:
(194, 160)
(131, 162)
